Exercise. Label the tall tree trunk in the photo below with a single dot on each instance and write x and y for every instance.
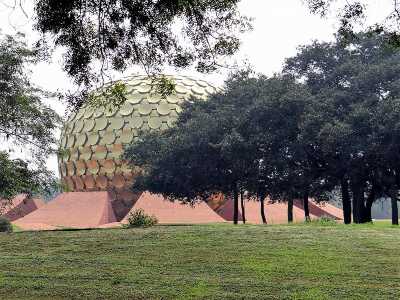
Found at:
(358, 201)
(305, 206)
(262, 208)
(242, 206)
(368, 205)
(346, 201)
(235, 204)
(290, 210)
(395, 211)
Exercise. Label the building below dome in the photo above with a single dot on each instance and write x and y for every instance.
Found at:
(94, 210)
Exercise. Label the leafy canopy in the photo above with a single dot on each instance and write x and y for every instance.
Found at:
(26, 123)
(153, 34)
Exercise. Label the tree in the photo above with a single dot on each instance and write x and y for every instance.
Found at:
(236, 141)
(16, 177)
(149, 33)
(353, 13)
(201, 156)
(349, 83)
(24, 120)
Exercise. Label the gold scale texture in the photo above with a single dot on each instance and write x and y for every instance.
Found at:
(92, 140)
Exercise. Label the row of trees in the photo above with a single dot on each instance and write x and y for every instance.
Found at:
(329, 121)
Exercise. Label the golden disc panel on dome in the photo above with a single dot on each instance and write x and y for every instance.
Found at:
(89, 182)
(126, 109)
(117, 123)
(85, 153)
(93, 139)
(101, 182)
(154, 98)
(108, 138)
(99, 112)
(126, 136)
(107, 166)
(135, 122)
(134, 98)
(80, 114)
(173, 98)
(101, 124)
(115, 151)
(80, 167)
(181, 89)
(163, 108)
(81, 139)
(88, 112)
(74, 154)
(154, 122)
(78, 126)
(89, 125)
(71, 141)
(118, 181)
(100, 152)
(93, 166)
(145, 108)
(197, 90)
(144, 89)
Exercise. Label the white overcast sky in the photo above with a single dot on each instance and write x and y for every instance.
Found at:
(280, 26)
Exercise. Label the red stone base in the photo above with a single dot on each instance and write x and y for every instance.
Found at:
(19, 207)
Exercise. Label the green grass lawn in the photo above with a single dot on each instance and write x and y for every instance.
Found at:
(203, 262)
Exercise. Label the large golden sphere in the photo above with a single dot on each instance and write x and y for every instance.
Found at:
(93, 139)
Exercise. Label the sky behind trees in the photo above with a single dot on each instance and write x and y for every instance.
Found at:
(280, 26)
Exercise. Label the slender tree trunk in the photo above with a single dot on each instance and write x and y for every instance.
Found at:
(262, 208)
(305, 206)
(346, 201)
(242, 206)
(395, 211)
(290, 210)
(368, 205)
(235, 204)
(358, 202)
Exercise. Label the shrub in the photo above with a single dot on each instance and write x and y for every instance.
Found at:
(138, 218)
(5, 225)
(324, 220)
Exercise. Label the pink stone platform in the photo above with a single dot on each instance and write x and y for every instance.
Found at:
(20, 206)
(94, 210)
(71, 210)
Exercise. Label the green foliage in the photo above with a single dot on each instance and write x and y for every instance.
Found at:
(138, 218)
(112, 96)
(25, 122)
(123, 33)
(353, 13)
(164, 86)
(5, 225)
(15, 177)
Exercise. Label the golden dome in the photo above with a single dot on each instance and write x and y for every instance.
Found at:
(93, 139)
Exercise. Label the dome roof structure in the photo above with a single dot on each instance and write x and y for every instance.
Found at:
(93, 139)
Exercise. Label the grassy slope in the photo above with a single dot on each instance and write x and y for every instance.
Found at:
(206, 262)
